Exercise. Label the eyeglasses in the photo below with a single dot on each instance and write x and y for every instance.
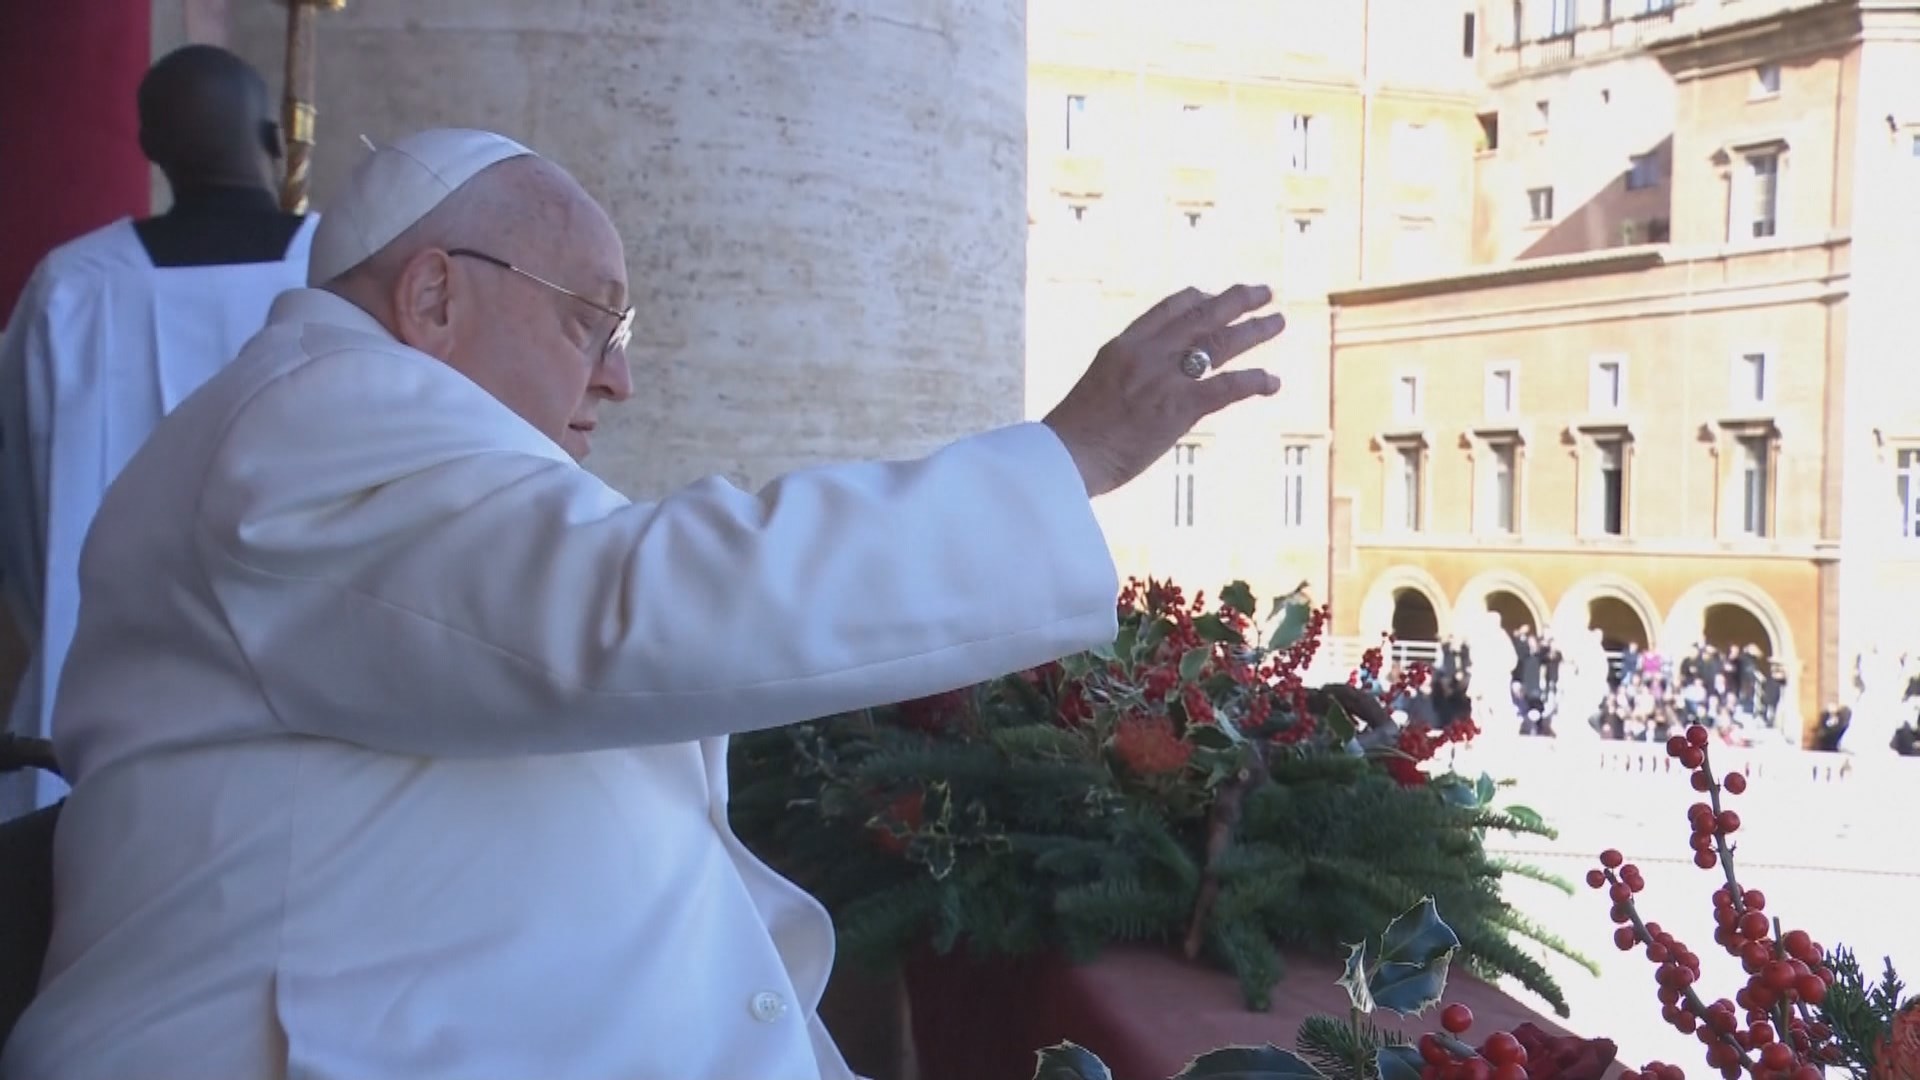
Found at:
(622, 327)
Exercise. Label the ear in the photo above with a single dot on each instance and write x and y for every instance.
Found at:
(423, 303)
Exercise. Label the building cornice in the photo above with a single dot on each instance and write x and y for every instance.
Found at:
(1815, 551)
(1783, 34)
(1519, 272)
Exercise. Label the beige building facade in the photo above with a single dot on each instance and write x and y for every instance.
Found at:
(1707, 438)
(1303, 145)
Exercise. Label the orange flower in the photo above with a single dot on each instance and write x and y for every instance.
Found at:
(1148, 746)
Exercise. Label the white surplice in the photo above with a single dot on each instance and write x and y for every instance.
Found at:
(101, 345)
(400, 738)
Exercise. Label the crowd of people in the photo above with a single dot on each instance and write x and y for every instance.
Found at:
(1736, 691)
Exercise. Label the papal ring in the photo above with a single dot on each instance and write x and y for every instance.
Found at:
(1195, 363)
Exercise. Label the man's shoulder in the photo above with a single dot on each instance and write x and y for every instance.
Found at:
(112, 247)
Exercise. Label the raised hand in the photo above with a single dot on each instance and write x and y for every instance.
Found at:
(1153, 383)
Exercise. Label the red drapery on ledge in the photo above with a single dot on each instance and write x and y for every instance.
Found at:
(1146, 1012)
(68, 73)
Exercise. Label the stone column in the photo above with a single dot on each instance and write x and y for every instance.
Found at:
(824, 201)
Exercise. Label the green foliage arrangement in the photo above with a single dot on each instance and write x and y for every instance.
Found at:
(1182, 786)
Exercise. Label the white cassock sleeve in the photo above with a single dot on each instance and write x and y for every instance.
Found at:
(26, 411)
(438, 596)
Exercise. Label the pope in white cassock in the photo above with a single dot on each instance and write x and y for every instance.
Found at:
(398, 739)
(115, 329)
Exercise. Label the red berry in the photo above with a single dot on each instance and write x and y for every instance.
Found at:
(1432, 1052)
(1705, 860)
(1697, 735)
(1509, 1071)
(1477, 1068)
(1797, 943)
(1754, 925)
(1754, 956)
(1806, 1072)
(1611, 859)
(1596, 879)
(1756, 900)
(1811, 989)
(1693, 757)
(1729, 821)
(1762, 1033)
(1702, 782)
(1677, 745)
(1778, 977)
(1736, 783)
(1620, 893)
(1625, 939)
(1502, 1048)
(1456, 1018)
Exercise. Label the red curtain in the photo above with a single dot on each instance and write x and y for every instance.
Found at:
(70, 160)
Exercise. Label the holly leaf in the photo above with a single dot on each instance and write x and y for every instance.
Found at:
(1398, 1063)
(1156, 633)
(1486, 789)
(1104, 652)
(1354, 978)
(1293, 613)
(1194, 662)
(1239, 597)
(1250, 1063)
(1339, 723)
(1414, 954)
(1213, 628)
(1127, 643)
(1215, 736)
(1069, 1061)
(1525, 815)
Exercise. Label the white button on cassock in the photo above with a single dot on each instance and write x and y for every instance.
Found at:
(768, 1006)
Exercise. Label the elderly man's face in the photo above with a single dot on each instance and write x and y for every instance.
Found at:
(536, 332)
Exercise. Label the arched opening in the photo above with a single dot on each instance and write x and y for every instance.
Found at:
(1618, 623)
(1732, 626)
(1514, 611)
(1413, 616)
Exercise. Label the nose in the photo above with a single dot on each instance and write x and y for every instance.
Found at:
(613, 377)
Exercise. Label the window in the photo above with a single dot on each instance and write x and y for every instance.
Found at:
(1502, 402)
(1303, 255)
(1755, 454)
(1294, 479)
(1756, 197)
(1417, 150)
(1469, 35)
(1499, 502)
(1196, 132)
(1766, 81)
(1406, 489)
(1077, 212)
(1752, 380)
(1406, 398)
(1642, 172)
(1542, 114)
(1907, 486)
(1416, 249)
(1304, 140)
(1609, 485)
(1490, 131)
(1540, 204)
(1563, 16)
(1186, 467)
(1607, 385)
(1078, 133)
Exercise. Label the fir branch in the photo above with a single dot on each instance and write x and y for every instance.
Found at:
(1531, 872)
(1519, 925)
(1860, 1013)
(1330, 1046)
(1499, 821)
(1489, 956)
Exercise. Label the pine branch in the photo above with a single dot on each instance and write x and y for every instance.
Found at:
(1490, 956)
(1329, 1044)
(1514, 922)
(1531, 872)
